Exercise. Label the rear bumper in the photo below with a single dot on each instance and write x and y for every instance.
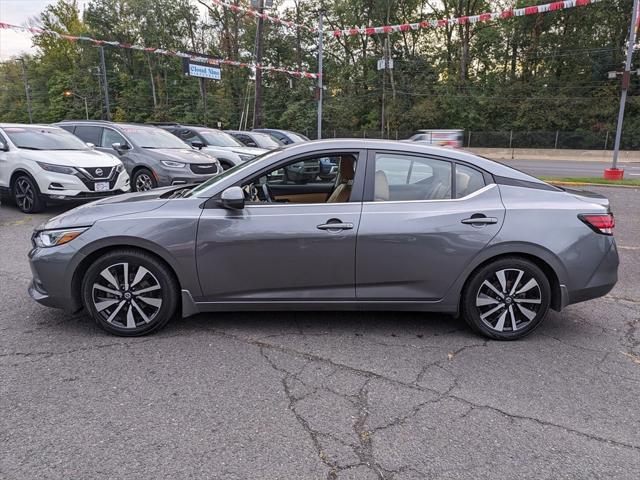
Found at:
(602, 281)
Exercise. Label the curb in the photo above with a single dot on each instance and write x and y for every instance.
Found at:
(582, 184)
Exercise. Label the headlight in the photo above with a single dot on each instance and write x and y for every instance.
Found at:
(170, 164)
(245, 158)
(57, 168)
(54, 238)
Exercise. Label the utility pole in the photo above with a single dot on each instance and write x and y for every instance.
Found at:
(320, 86)
(26, 89)
(257, 99)
(105, 85)
(626, 76)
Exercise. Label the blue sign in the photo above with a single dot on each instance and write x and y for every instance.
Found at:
(204, 71)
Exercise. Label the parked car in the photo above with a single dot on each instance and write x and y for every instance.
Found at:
(402, 227)
(286, 137)
(152, 156)
(451, 138)
(41, 164)
(229, 151)
(255, 139)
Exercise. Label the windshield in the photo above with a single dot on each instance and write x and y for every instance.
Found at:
(201, 190)
(265, 141)
(147, 137)
(219, 139)
(44, 138)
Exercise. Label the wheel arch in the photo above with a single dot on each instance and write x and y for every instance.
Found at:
(544, 259)
(93, 254)
(17, 173)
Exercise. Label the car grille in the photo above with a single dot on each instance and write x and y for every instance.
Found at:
(204, 168)
(98, 173)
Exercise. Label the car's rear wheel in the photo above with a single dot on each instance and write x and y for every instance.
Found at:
(27, 195)
(129, 293)
(143, 180)
(506, 299)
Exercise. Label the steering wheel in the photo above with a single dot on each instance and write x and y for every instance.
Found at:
(267, 193)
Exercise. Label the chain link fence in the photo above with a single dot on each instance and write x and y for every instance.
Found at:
(505, 138)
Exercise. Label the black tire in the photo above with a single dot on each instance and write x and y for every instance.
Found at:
(147, 317)
(143, 180)
(26, 195)
(491, 312)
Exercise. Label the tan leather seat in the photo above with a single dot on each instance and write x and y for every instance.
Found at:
(381, 190)
(342, 192)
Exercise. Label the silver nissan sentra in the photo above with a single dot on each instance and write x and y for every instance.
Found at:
(401, 227)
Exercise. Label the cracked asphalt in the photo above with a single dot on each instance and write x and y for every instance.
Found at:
(320, 395)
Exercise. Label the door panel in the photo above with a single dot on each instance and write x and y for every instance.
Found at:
(277, 253)
(416, 250)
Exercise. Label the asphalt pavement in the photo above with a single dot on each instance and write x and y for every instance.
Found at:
(571, 168)
(320, 395)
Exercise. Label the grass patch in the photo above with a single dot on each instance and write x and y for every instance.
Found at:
(632, 182)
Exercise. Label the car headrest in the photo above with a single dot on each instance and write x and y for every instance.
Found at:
(381, 189)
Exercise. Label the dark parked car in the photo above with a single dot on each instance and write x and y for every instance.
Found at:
(286, 137)
(153, 157)
(255, 139)
(402, 227)
(229, 151)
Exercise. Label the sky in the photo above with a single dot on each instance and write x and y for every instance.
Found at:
(19, 12)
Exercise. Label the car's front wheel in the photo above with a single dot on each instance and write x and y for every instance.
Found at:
(27, 195)
(506, 299)
(143, 180)
(129, 293)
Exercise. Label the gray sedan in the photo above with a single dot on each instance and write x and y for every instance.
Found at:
(402, 227)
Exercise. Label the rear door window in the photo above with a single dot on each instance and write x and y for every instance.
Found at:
(89, 134)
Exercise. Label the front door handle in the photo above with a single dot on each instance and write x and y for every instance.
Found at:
(479, 220)
(335, 224)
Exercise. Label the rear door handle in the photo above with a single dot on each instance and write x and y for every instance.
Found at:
(480, 220)
(335, 226)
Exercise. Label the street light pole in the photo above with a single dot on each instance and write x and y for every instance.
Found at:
(320, 86)
(257, 99)
(626, 75)
(69, 93)
(105, 85)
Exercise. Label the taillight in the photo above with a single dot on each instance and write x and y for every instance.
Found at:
(599, 223)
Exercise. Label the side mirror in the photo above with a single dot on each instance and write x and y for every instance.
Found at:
(90, 145)
(233, 198)
(198, 145)
(120, 147)
(3, 147)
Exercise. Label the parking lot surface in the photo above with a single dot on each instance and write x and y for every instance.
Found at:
(320, 395)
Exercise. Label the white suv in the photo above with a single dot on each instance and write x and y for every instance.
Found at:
(42, 163)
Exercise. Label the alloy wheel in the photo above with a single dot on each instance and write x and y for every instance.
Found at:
(25, 195)
(508, 300)
(143, 182)
(126, 295)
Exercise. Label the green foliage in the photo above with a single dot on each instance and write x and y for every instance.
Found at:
(543, 72)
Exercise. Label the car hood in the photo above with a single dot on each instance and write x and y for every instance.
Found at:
(71, 158)
(125, 204)
(184, 155)
(246, 150)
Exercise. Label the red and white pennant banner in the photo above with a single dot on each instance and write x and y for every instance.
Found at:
(252, 12)
(160, 51)
(483, 17)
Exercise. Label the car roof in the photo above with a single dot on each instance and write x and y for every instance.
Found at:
(105, 123)
(22, 125)
(495, 168)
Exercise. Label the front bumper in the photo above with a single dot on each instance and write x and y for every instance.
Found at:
(63, 187)
(52, 270)
(183, 176)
